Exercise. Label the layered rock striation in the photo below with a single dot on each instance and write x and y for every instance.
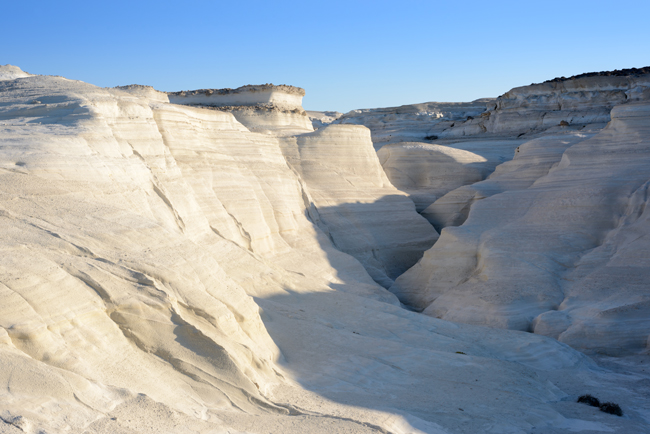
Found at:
(575, 103)
(263, 108)
(345, 183)
(412, 122)
(550, 242)
(249, 95)
(165, 269)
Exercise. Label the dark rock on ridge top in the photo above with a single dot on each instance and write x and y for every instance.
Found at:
(614, 73)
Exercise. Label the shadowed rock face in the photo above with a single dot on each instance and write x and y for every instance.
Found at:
(525, 195)
(165, 269)
(428, 171)
(344, 181)
(552, 243)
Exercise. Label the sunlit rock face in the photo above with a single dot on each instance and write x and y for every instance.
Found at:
(104, 288)
(266, 108)
(552, 243)
(532, 159)
(322, 119)
(575, 103)
(519, 214)
(344, 186)
(165, 269)
(424, 156)
(413, 122)
(250, 95)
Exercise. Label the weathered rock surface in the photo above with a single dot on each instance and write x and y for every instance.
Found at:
(413, 122)
(163, 270)
(576, 103)
(266, 108)
(353, 197)
(322, 119)
(552, 243)
(427, 171)
(429, 168)
(250, 95)
(532, 159)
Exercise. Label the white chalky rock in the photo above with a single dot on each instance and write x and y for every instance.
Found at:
(554, 242)
(163, 269)
(409, 123)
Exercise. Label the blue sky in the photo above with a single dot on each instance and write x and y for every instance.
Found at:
(347, 55)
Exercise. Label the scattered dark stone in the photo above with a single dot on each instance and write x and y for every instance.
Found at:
(589, 400)
(469, 118)
(431, 138)
(611, 408)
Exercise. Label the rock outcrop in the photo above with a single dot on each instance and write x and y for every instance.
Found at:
(250, 95)
(353, 197)
(551, 241)
(413, 122)
(428, 171)
(165, 269)
(576, 103)
(322, 119)
(266, 108)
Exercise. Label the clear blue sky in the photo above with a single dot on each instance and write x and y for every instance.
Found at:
(346, 54)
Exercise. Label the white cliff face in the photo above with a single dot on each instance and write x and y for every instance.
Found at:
(346, 184)
(322, 119)
(578, 106)
(561, 104)
(268, 109)
(164, 269)
(272, 120)
(412, 122)
(532, 159)
(552, 241)
(250, 95)
(428, 171)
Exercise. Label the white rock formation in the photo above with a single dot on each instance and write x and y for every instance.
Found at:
(552, 243)
(428, 171)
(353, 197)
(345, 188)
(263, 108)
(11, 72)
(163, 270)
(575, 103)
(532, 160)
(491, 129)
(321, 119)
(413, 122)
(250, 95)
